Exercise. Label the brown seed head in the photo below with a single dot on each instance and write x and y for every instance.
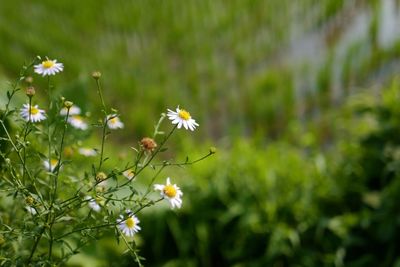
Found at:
(148, 144)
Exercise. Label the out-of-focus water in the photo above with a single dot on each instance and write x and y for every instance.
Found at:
(341, 46)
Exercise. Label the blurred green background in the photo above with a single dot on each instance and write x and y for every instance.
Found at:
(300, 97)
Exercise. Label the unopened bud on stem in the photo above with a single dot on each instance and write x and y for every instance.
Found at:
(29, 79)
(68, 104)
(213, 150)
(96, 75)
(30, 91)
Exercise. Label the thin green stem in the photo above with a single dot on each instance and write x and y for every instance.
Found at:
(21, 160)
(153, 155)
(15, 87)
(103, 140)
(99, 91)
(37, 240)
(11, 95)
(50, 243)
(151, 203)
(26, 132)
(85, 228)
(48, 129)
(187, 162)
(60, 156)
(157, 126)
(148, 190)
(137, 259)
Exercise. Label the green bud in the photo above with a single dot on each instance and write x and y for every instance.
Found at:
(96, 75)
(101, 176)
(68, 104)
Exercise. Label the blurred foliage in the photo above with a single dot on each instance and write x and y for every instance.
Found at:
(283, 204)
(196, 54)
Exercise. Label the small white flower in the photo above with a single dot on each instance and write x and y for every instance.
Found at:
(48, 67)
(87, 152)
(129, 174)
(129, 226)
(31, 210)
(78, 122)
(182, 117)
(74, 110)
(35, 115)
(50, 166)
(92, 203)
(171, 192)
(113, 122)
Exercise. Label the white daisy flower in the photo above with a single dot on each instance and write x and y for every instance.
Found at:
(35, 115)
(50, 166)
(31, 210)
(48, 67)
(129, 174)
(78, 122)
(113, 122)
(87, 152)
(182, 117)
(170, 192)
(92, 203)
(129, 226)
(74, 110)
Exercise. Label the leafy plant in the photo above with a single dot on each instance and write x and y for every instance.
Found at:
(55, 202)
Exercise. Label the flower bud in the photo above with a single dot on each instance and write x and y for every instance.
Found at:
(68, 104)
(29, 200)
(30, 91)
(100, 200)
(68, 152)
(101, 176)
(213, 150)
(96, 75)
(29, 80)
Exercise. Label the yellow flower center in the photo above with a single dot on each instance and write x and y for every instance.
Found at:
(34, 111)
(114, 120)
(183, 114)
(78, 118)
(130, 223)
(53, 162)
(169, 191)
(47, 64)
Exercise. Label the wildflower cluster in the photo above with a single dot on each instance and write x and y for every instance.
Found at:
(72, 195)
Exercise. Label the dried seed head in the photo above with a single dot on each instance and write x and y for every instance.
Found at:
(148, 144)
